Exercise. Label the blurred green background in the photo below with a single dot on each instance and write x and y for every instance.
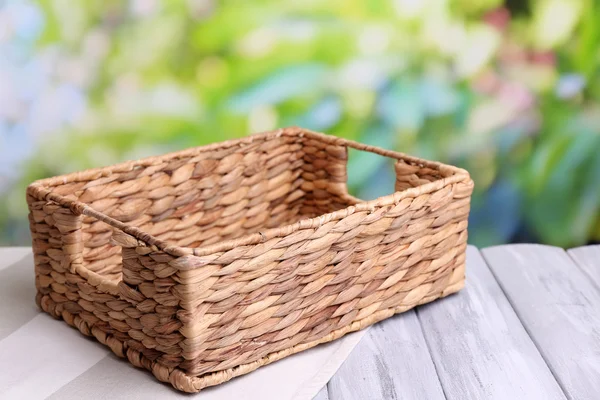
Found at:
(506, 89)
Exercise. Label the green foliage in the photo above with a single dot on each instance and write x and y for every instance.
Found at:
(505, 89)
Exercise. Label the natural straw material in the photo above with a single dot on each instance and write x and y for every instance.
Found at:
(227, 257)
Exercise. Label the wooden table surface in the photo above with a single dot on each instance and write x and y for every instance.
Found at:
(526, 326)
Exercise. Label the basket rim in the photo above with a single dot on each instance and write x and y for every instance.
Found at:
(42, 189)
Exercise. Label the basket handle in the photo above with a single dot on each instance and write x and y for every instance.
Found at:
(410, 171)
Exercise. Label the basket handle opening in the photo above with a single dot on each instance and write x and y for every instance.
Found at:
(411, 172)
(370, 175)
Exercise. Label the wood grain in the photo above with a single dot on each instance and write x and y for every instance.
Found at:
(588, 259)
(558, 304)
(480, 348)
(390, 362)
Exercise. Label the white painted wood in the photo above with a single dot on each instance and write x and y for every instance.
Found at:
(479, 347)
(559, 306)
(322, 395)
(390, 362)
(588, 259)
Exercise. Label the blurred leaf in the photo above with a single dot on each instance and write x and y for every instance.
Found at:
(549, 153)
(563, 211)
(588, 204)
(596, 231)
(509, 136)
(401, 105)
(554, 21)
(481, 44)
(322, 116)
(469, 82)
(474, 6)
(439, 97)
(585, 59)
(495, 215)
(381, 183)
(489, 115)
(363, 165)
(292, 81)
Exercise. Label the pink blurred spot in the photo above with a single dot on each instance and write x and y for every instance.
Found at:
(486, 82)
(498, 18)
(517, 95)
(543, 57)
(512, 53)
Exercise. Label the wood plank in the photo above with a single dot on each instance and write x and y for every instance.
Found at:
(390, 362)
(588, 259)
(480, 348)
(558, 305)
(322, 395)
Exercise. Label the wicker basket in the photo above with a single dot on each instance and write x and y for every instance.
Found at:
(208, 263)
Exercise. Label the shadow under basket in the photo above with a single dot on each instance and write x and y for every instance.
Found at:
(205, 264)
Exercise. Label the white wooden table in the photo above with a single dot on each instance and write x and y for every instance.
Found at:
(526, 326)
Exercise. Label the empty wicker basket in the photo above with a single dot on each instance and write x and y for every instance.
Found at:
(206, 264)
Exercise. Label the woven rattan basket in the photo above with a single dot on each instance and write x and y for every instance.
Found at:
(208, 263)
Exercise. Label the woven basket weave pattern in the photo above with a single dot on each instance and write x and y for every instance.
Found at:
(205, 264)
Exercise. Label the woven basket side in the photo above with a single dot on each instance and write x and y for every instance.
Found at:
(204, 198)
(281, 257)
(413, 174)
(413, 177)
(238, 306)
(194, 201)
(65, 287)
(324, 177)
(112, 197)
(55, 233)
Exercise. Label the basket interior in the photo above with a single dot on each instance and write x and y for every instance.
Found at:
(195, 199)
